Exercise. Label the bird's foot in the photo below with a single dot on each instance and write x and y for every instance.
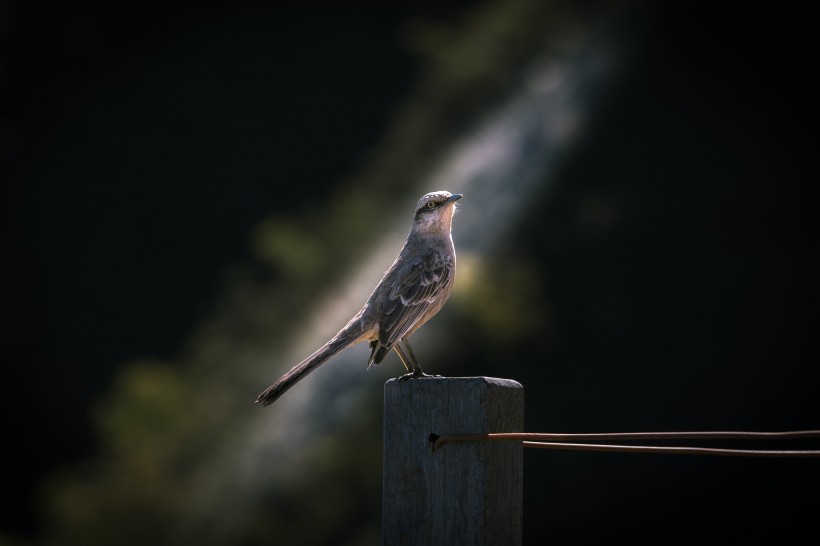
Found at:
(415, 374)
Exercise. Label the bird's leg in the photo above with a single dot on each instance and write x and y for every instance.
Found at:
(417, 371)
(413, 362)
(410, 363)
(405, 361)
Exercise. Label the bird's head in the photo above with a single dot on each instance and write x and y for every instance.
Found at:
(434, 212)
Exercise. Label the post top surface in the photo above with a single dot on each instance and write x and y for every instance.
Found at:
(490, 381)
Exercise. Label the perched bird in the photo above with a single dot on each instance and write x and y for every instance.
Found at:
(409, 294)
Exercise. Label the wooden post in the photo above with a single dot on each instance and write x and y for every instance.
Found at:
(464, 492)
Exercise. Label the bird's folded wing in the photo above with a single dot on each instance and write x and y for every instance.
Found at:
(419, 284)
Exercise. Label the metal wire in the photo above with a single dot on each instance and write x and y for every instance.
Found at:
(558, 441)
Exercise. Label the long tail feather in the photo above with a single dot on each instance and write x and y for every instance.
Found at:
(342, 340)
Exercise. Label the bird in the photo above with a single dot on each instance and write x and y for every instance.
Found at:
(409, 294)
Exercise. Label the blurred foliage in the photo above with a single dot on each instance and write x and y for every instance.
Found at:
(289, 250)
(502, 299)
(165, 425)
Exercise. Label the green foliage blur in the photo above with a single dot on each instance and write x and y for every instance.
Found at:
(164, 425)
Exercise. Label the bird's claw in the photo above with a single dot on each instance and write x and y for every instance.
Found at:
(415, 374)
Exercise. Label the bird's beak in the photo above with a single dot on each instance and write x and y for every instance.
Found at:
(453, 198)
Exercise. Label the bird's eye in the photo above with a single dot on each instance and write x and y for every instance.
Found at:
(431, 205)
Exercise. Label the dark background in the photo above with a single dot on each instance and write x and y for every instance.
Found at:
(90, 283)
(690, 306)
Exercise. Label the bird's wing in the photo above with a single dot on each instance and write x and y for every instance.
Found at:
(416, 287)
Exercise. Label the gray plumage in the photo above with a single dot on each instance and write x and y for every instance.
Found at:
(411, 292)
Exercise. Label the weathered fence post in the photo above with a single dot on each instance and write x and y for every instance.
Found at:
(464, 492)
